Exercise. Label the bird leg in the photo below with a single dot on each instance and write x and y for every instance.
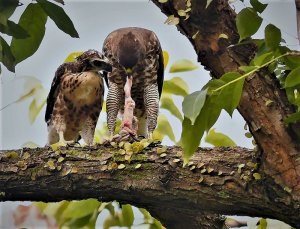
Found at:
(112, 104)
(62, 140)
(151, 98)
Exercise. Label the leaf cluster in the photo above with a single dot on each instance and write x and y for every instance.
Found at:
(202, 108)
(70, 214)
(28, 33)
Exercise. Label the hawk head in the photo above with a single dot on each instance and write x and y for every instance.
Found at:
(130, 51)
(93, 60)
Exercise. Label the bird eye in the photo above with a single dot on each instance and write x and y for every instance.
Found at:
(102, 65)
(97, 63)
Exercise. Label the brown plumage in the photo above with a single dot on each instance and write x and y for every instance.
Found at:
(75, 99)
(134, 52)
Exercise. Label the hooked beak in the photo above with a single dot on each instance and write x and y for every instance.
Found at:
(102, 64)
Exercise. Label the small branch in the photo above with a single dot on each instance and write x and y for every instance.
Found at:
(217, 180)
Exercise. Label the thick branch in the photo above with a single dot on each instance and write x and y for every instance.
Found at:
(217, 180)
(277, 143)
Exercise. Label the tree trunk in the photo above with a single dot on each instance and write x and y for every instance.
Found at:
(279, 145)
(219, 180)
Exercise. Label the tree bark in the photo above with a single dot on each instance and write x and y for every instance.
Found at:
(219, 180)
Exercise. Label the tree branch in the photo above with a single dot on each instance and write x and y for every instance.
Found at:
(279, 145)
(217, 180)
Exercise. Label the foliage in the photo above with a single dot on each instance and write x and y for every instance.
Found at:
(69, 214)
(29, 32)
(202, 108)
(33, 89)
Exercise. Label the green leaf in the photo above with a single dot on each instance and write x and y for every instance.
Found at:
(109, 206)
(262, 49)
(191, 136)
(211, 111)
(111, 221)
(156, 225)
(13, 29)
(30, 144)
(37, 104)
(192, 105)
(6, 56)
(127, 215)
(33, 20)
(247, 22)
(262, 59)
(163, 128)
(78, 222)
(7, 8)
(292, 118)
(258, 6)
(183, 65)
(293, 94)
(166, 102)
(230, 96)
(272, 36)
(79, 209)
(166, 58)
(176, 86)
(227, 97)
(31, 86)
(146, 214)
(293, 78)
(72, 56)
(262, 224)
(292, 61)
(218, 139)
(58, 15)
(246, 69)
(54, 210)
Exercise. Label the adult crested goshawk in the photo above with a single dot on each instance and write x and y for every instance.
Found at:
(135, 54)
(75, 99)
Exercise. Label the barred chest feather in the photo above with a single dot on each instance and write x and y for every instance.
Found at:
(144, 74)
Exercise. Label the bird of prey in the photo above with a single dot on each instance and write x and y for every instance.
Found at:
(135, 54)
(75, 99)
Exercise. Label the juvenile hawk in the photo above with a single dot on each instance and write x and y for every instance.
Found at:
(75, 99)
(134, 53)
